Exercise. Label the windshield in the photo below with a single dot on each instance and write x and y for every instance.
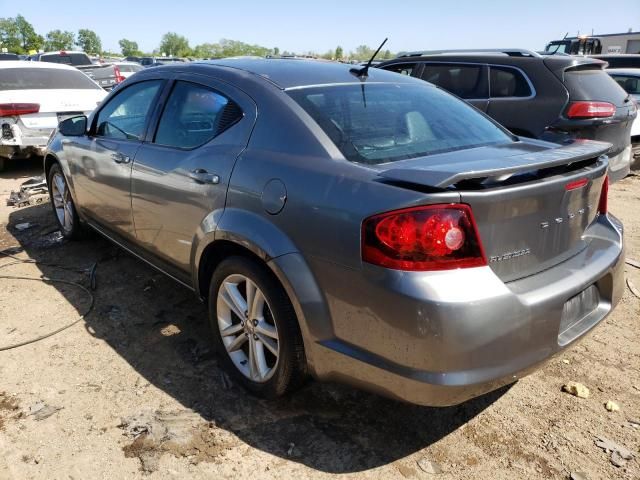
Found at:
(558, 47)
(44, 79)
(379, 123)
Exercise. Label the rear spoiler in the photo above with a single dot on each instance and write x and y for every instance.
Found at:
(444, 175)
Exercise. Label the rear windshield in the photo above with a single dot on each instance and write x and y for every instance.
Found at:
(129, 68)
(593, 84)
(630, 84)
(44, 78)
(379, 123)
(74, 59)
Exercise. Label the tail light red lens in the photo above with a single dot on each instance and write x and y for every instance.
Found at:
(433, 237)
(591, 110)
(119, 77)
(576, 184)
(604, 194)
(14, 109)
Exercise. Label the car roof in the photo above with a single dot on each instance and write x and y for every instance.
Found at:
(62, 52)
(23, 64)
(616, 55)
(496, 56)
(290, 73)
(625, 71)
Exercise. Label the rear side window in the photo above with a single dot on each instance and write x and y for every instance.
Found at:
(195, 115)
(402, 68)
(379, 123)
(465, 81)
(630, 84)
(44, 79)
(74, 59)
(125, 115)
(508, 82)
(589, 83)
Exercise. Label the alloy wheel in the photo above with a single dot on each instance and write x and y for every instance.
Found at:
(62, 202)
(247, 328)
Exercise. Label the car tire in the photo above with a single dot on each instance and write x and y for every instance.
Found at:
(64, 208)
(271, 323)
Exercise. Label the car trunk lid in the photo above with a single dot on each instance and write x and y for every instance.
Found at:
(55, 105)
(531, 203)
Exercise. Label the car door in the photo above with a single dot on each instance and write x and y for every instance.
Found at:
(101, 161)
(468, 81)
(181, 175)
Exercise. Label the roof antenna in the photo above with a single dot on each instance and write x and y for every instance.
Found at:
(364, 71)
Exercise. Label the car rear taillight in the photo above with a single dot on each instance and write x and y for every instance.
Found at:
(14, 109)
(591, 110)
(604, 194)
(119, 77)
(432, 237)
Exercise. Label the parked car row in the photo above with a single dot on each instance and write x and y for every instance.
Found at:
(34, 98)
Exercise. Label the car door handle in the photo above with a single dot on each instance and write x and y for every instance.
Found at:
(200, 175)
(120, 158)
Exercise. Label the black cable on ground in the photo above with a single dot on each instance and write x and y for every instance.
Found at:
(43, 278)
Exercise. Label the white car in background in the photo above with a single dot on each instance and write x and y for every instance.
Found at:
(629, 80)
(127, 69)
(34, 97)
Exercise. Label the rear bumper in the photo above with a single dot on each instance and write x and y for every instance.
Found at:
(445, 337)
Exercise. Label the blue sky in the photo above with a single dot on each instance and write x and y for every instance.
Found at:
(301, 26)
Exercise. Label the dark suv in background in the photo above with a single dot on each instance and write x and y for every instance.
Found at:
(556, 98)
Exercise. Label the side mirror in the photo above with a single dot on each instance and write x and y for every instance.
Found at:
(74, 126)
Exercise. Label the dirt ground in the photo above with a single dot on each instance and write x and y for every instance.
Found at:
(134, 391)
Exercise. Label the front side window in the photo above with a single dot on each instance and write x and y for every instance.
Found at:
(195, 115)
(379, 123)
(508, 82)
(124, 116)
(465, 81)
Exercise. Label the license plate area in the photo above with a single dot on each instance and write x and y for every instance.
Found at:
(577, 313)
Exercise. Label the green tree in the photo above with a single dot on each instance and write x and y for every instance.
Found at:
(207, 50)
(10, 35)
(363, 52)
(328, 55)
(129, 48)
(386, 55)
(175, 45)
(276, 52)
(27, 35)
(339, 53)
(89, 41)
(59, 40)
